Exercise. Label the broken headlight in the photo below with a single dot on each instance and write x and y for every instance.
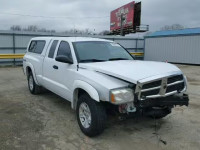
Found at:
(120, 96)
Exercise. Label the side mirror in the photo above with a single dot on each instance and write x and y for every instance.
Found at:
(64, 59)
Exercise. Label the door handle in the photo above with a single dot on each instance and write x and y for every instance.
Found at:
(55, 67)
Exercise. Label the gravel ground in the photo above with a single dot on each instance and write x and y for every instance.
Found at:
(47, 121)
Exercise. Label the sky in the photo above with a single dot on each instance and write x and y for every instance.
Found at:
(94, 15)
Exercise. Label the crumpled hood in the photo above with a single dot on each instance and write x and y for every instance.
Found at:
(131, 70)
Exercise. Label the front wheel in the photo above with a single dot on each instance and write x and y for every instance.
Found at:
(91, 116)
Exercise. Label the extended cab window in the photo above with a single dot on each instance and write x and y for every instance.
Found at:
(36, 46)
(64, 49)
(52, 49)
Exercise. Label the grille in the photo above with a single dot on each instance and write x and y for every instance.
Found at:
(152, 84)
(158, 88)
(174, 79)
(178, 87)
(149, 93)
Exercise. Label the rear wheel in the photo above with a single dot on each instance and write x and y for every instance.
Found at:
(91, 115)
(33, 87)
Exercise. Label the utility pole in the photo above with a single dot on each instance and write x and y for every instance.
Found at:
(122, 24)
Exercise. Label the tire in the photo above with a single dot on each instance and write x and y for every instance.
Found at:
(33, 87)
(97, 113)
(158, 113)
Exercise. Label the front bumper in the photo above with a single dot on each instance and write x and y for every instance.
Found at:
(181, 100)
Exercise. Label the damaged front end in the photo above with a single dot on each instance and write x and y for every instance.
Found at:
(156, 97)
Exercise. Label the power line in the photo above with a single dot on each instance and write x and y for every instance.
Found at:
(54, 17)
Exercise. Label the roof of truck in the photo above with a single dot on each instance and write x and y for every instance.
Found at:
(70, 39)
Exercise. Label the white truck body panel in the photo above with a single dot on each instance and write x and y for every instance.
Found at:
(98, 78)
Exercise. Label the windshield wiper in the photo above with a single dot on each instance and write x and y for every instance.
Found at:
(92, 60)
(111, 59)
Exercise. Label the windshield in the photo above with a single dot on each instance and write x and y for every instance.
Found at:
(97, 51)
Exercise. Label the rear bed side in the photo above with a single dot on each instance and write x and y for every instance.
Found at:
(34, 57)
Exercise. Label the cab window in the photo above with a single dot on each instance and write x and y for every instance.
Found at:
(36, 46)
(64, 49)
(53, 48)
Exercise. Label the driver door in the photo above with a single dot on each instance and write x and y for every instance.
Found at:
(60, 74)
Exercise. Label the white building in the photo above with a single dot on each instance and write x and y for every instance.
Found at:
(177, 46)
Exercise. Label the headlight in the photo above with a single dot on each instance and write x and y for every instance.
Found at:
(120, 96)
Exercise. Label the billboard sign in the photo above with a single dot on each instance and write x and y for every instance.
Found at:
(128, 15)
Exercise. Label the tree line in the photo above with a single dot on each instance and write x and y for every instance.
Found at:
(172, 27)
(31, 28)
(34, 28)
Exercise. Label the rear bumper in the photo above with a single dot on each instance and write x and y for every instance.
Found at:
(174, 100)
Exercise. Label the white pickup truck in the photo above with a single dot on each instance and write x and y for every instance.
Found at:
(98, 76)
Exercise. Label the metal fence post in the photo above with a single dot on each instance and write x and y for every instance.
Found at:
(136, 45)
(14, 49)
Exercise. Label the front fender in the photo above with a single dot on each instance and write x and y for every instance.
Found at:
(78, 84)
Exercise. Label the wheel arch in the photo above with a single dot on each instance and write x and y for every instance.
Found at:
(83, 87)
(29, 69)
